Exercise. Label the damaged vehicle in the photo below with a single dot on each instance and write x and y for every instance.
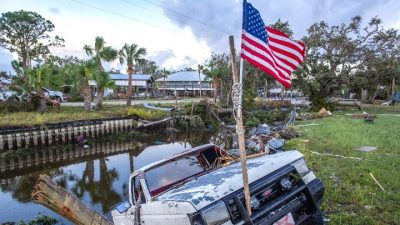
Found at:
(204, 186)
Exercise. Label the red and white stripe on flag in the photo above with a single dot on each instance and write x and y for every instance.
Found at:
(278, 56)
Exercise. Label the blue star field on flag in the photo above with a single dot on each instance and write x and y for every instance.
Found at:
(253, 23)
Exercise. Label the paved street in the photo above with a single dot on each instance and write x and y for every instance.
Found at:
(136, 102)
(157, 101)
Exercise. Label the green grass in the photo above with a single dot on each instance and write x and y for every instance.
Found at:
(351, 196)
(76, 113)
(379, 109)
(147, 114)
(58, 115)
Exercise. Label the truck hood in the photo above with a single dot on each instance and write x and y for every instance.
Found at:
(219, 183)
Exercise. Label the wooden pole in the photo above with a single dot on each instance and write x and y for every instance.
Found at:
(56, 198)
(239, 122)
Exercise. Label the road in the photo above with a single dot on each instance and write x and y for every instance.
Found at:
(135, 102)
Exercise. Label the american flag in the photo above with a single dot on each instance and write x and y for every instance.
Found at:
(269, 49)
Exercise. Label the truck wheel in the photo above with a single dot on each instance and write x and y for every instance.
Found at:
(319, 218)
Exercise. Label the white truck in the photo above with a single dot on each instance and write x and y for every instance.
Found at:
(203, 186)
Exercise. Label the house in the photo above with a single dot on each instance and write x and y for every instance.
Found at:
(186, 83)
(141, 83)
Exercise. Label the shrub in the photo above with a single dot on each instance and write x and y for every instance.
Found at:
(252, 122)
(147, 114)
(260, 103)
(15, 106)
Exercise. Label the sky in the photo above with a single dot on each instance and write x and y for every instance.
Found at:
(183, 33)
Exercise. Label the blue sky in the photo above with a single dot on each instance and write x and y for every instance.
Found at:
(183, 33)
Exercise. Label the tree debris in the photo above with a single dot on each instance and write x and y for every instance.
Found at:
(338, 156)
(376, 181)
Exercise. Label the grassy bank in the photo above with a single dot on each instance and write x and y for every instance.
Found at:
(57, 115)
(352, 196)
(66, 113)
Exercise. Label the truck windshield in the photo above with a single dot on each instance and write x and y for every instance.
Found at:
(161, 178)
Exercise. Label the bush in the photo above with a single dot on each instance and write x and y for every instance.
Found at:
(40, 220)
(147, 114)
(252, 122)
(15, 106)
(260, 103)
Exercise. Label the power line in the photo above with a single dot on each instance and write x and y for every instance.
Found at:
(123, 16)
(176, 15)
(187, 17)
(139, 6)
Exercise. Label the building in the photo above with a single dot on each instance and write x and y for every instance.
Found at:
(186, 83)
(141, 83)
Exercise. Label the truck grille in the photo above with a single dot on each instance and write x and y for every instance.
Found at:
(272, 197)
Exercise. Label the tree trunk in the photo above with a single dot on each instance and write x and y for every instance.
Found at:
(26, 58)
(215, 90)
(393, 87)
(56, 198)
(100, 98)
(164, 86)
(42, 104)
(42, 101)
(364, 95)
(200, 84)
(375, 93)
(87, 96)
(129, 90)
(266, 89)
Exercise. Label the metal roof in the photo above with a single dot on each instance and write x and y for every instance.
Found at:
(184, 76)
(120, 76)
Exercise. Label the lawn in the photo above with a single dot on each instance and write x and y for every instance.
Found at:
(66, 113)
(57, 115)
(352, 196)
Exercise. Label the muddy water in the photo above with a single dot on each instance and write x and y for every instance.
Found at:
(99, 180)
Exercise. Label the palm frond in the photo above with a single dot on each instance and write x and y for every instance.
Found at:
(99, 44)
(88, 50)
(108, 54)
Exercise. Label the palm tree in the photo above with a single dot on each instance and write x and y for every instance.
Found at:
(200, 68)
(131, 54)
(39, 77)
(80, 74)
(165, 74)
(103, 81)
(100, 53)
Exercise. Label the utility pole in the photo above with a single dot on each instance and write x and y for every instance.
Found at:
(199, 67)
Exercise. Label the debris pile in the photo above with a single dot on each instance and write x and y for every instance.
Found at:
(305, 116)
(324, 113)
(367, 117)
(288, 133)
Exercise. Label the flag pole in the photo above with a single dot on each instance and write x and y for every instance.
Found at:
(237, 93)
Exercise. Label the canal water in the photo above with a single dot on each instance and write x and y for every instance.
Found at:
(100, 180)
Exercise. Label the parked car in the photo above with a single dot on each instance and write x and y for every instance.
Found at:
(66, 91)
(57, 95)
(395, 98)
(9, 95)
(203, 186)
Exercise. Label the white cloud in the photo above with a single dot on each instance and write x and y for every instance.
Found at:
(170, 38)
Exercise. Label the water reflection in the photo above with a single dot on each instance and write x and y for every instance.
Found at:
(98, 179)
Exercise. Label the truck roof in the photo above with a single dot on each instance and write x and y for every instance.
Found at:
(219, 183)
